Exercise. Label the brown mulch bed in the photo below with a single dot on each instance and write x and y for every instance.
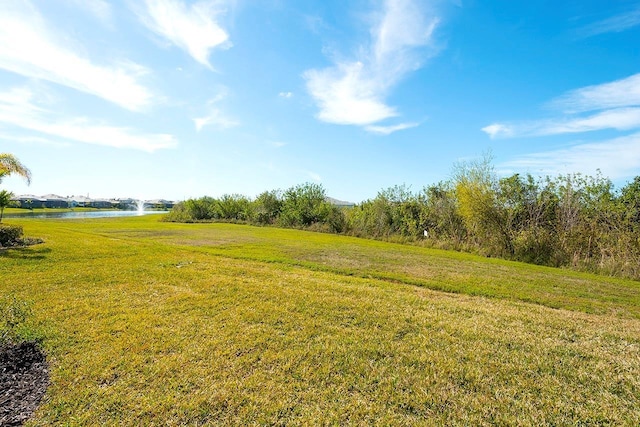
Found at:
(24, 377)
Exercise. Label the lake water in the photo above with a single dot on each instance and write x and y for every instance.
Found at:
(80, 215)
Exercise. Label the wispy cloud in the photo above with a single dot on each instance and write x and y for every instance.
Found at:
(285, 94)
(194, 28)
(29, 47)
(613, 105)
(618, 158)
(314, 176)
(619, 93)
(30, 139)
(387, 130)
(619, 119)
(315, 24)
(215, 116)
(353, 91)
(100, 9)
(615, 24)
(18, 108)
(497, 130)
(277, 144)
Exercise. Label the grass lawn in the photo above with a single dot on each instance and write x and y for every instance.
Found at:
(151, 323)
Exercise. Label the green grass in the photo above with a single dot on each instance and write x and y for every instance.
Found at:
(151, 323)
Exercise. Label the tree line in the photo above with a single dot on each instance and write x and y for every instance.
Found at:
(572, 220)
(301, 206)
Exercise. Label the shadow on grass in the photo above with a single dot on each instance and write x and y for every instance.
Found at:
(25, 252)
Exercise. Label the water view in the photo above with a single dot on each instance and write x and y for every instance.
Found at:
(80, 214)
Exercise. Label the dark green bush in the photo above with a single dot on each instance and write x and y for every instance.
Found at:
(10, 235)
(304, 205)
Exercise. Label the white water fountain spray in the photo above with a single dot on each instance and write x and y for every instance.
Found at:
(140, 206)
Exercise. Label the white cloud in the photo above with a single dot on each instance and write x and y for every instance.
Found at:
(498, 130)
(285, 94)
(194, 28)
(98, 8)
(353, 92)
(620, 93)
(619, 119)
(613, 105)
(30, 139)
(617, 158)
(18, 109)
(614, 24)
(29, 47)
(387, 130)
(403, 27)
(346, 96)
(215, 116)
(314, 176)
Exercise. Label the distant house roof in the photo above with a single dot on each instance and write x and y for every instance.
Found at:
(54, 197)
(80, 199)
(29, 197)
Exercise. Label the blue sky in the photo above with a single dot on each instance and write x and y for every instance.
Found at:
(176, 99)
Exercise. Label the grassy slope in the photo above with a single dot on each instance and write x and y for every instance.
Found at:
(154, 323)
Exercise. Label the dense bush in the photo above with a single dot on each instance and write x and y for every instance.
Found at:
(10, 235)
(301, 206)
(267, 207)
(305, 205)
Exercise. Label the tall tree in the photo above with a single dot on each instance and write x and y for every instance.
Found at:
(10, 165)
(5, 200)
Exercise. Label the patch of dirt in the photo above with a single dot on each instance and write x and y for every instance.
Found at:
(24, 377)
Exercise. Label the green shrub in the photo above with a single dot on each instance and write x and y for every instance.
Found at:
(10, 235)
(178, 213)
(535, 246)
(304, 205)
(233, 207)
(267, 207)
